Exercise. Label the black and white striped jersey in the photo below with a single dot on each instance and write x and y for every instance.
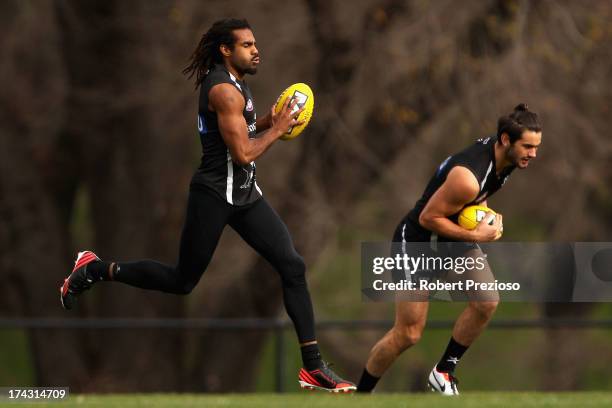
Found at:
(479, 158)
(234, 183)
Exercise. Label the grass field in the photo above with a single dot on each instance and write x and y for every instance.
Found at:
(315, 400)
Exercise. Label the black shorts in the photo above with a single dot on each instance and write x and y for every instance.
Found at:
(411, 240)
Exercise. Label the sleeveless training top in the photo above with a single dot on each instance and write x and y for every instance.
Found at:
(479, 158)
(234, 183)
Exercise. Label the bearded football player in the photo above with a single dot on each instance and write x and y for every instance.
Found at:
(467, 178)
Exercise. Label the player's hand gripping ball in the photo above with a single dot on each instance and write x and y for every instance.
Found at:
(304, 98)
(471, 216)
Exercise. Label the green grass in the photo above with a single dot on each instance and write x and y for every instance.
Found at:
(314, 400)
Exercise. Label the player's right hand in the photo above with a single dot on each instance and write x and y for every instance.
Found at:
(285, 119)
(485, 232)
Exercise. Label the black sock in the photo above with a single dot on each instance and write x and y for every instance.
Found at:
(367, 382)
(452, 355)
(311, 357)
(99, 270)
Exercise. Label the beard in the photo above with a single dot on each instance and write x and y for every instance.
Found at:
(515, 160)
(512, 157)
(246, 67)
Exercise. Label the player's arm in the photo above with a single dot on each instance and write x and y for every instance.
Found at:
(459, 189)
(228, 103)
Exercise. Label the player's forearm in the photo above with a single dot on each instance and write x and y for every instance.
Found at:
(446, 228)
(254, 148)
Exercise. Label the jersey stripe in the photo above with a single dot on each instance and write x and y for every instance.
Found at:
(233, 78)
(407, 274)
(484, 180)
(229, 189)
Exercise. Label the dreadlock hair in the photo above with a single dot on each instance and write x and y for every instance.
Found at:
(517, 122)
(207, 53)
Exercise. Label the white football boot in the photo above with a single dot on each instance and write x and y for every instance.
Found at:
(444, 383)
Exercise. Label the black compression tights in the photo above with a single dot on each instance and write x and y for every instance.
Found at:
(258, 224)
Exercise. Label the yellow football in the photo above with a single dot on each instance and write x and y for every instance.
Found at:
(305, 98)
(470, 216)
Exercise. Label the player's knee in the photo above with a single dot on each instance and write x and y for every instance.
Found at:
(407, 336)
(184, 290)
(293, 271)
(184, 287)
(485, 309)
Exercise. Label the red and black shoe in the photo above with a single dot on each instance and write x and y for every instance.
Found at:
(78, 281)
(323, 378)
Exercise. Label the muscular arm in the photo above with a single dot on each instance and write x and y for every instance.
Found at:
(459, 189)
(229, 104)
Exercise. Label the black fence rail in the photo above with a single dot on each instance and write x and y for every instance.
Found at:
(272, 324)
(278, 327)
